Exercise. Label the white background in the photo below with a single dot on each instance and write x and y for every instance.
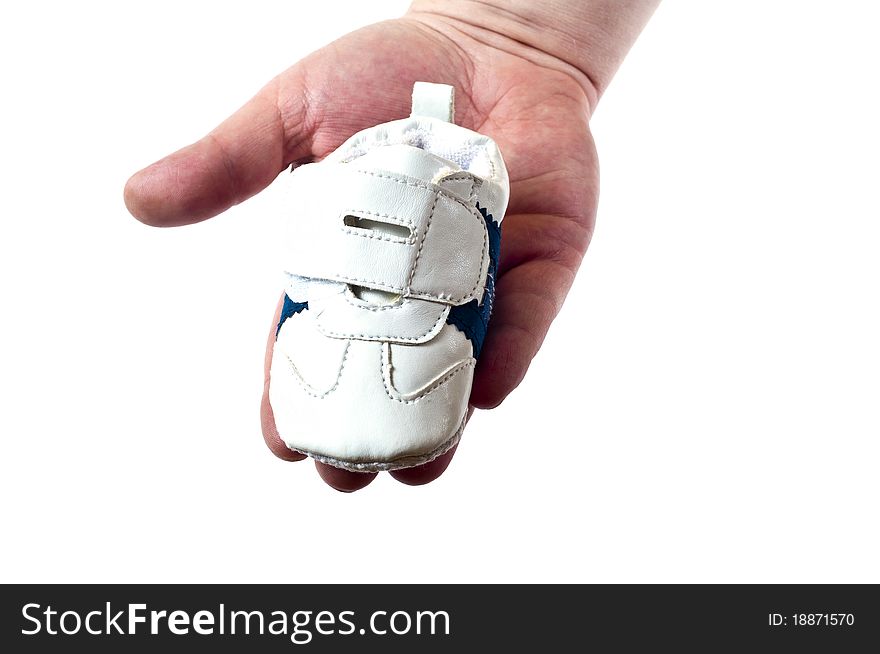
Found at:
(705, 408)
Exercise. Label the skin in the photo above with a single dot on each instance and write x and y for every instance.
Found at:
(535, 102)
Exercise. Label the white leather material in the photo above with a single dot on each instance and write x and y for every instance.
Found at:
(463, 185)
(385, 239)
(314, 359)
(434, 101)
(321, 245)
(469, 150)
(364, 423)
(416, 368)
(336, 312)
(408, 160)
(406, 321)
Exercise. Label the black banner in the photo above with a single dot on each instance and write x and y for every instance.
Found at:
(398, 618)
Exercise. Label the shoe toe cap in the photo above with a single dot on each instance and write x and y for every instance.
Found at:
(370, 405)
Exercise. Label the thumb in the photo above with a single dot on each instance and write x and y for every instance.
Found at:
(235, 161)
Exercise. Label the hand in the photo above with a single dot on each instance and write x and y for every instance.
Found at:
(535, 110)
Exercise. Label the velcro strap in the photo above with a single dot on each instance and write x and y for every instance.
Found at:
(385, 231)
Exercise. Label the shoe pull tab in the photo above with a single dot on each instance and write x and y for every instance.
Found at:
(433, 101)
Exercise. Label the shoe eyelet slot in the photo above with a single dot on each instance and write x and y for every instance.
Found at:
(371, 227)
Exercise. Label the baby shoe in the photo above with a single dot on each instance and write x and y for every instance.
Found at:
(390, 259)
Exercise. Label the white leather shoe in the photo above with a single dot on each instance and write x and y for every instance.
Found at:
(390, 258)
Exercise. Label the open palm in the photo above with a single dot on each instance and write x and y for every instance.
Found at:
(537, 115)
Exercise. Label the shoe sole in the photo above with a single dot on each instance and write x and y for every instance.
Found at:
(387, 466)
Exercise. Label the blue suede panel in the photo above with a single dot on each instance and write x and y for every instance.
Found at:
(473, 319)
(290, 308)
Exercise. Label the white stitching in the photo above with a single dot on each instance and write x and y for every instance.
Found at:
(385, 365)
(405, 461)
(308, 388)
(483, 251)
(462, 177)
(360, 304)
(374, 337)
(408, 289)
(442, 296)
(457, 176)
(401, 221)
(367, 233)
(412, 271)
(428, 187)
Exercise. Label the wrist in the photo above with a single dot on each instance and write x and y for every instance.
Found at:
(587, 40)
